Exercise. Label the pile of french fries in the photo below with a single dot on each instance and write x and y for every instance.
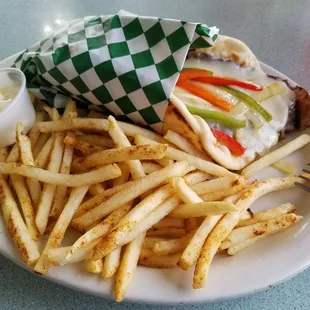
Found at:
(135, 197)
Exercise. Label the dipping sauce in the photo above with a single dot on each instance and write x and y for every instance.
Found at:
(8, 93)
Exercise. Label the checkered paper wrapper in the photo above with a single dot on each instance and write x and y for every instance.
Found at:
(126, 65)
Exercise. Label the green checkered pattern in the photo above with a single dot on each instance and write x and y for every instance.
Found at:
(126, 65)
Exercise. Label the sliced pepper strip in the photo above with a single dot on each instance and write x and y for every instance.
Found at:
(190, 73)
(204, 94)
(232, 144)
(227, 81)
(249, 101)
(221, 118)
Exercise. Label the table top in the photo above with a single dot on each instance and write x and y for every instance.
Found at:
(278, 31)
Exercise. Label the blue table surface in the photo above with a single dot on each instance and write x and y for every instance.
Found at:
(278, 31)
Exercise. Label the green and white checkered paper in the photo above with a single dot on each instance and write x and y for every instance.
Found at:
(124, 64)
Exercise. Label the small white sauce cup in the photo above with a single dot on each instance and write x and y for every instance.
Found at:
(20, 109)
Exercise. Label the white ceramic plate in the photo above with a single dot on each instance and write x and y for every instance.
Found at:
(266, 263)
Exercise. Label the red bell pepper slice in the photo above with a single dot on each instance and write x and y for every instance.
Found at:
(232, 144)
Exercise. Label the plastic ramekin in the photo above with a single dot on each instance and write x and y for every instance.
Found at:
(20, 109)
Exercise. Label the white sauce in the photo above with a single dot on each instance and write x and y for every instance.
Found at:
(255, 140)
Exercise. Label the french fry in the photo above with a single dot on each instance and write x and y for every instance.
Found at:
(276, 155)
(202, 209)
(122, 235)
(268, 214)
(150, 167)
(71, 180)
(169, 222)
(121, 180)
(165, 161)
(235, 249)
(34, 132)
(100, 230)
(149, 259)
(96, 189)
(61, 191)
(230, 220)
(172, 232)
(284, 166)
(97, 140)
(119, 154)
(184, 145)
(49, 190)
(196, 177)
(245, 215)
(57, 256)
(121, 140)
(93, 266)
(42, 140)
(43, 156)
(16, 226)
(114, 239)
(97, 125)
(4, 153)
(199, 163)
(14, 154)
(192, 251)
(172, 246)
(134, 190)
(125, 273)
(241, 234)
(84, 147)
(60, 228)
(219, 184)
(223, 193)
(33, 185)
(111, 263)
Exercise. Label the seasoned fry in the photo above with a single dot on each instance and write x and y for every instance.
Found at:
(114, 239)
(129, 261)
(222, 184)
(57, 256)
(43, 156)
(24, 199)
(111, 263)
(42, 140)
(235, 249)
(184, 145)
(192, 251)
(97, 140)
(172, 232)
(172, 246)
(230, 220)
(134, 190)
(14, 154)
(60, 228)
(150, 167)
(223, 193)
(202, 209)
(119, 154)
(49, 190)
(169, 222)
(100, 230)
(165, 161)
(241, 234)
(71, 180)
(16, 226)
(149, 259)
(96, 189)
(276, 155)
(33, 185)
(61, 191)
(175, 154)
(93, 266)
(84, 147)
(121, 140)
(34, 132)
(97, 125)
(268, 214)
